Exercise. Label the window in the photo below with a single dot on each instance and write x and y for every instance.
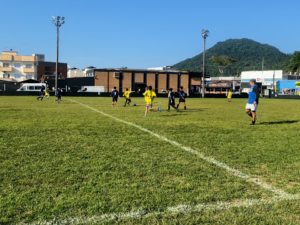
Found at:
(5, 64)
(28, 66)
(31, 88)
(28, 77)
(17, 65)
(17, 76)
(37, 87)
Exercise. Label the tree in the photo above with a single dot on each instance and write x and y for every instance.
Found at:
(222, 62)
(294, 63)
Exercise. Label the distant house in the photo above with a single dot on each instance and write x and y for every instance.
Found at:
(19, 67)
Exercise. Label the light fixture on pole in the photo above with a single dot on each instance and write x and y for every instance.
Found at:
(204, 34)
(58, 21)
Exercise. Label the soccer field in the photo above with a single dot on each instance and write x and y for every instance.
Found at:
(85, 162)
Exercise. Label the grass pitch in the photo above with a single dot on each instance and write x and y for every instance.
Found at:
(67, 164)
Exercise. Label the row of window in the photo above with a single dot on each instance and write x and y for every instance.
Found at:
(17, 76)
(18, 65)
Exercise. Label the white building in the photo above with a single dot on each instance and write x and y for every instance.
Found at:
(75, 72)
(18, 67)
(266, 79)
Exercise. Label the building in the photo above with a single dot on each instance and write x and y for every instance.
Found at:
(46, 70)
(18, 67)
(288, 87)
(75, 72)
(137, 80)
(266, 79)
(221, 85)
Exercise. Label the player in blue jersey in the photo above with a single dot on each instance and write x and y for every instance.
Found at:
(171, 100)
(181, 96)
(253, 98)
(114, 96)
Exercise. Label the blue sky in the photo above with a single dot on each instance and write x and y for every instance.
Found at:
(143, 33)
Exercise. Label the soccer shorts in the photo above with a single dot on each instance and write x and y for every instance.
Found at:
(251, 107)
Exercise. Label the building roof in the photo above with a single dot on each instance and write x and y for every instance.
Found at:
(139, 70)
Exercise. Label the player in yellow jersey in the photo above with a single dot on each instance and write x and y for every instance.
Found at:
(229, 95)
(126, 95)
(149, 96)
(47, 95)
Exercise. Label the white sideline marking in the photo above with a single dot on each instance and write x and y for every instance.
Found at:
(180, 209)
(208, 159)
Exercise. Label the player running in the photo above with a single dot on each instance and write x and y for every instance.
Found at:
(58, 95)
(171, 100)
(47, 95)
(182, 96)
(41, 93)
(149, 96)
(252, 104)
(115, 96)
(229, 95)
(127, 97)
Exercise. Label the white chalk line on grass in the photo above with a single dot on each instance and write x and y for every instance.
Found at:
(170, 211)
(179, 209)
(208, 159)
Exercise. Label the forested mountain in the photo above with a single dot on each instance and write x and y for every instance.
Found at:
(232, 56)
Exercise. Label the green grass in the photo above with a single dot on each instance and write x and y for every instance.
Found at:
(63, 161)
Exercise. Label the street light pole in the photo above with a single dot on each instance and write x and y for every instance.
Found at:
(58, 22)
(204, 36)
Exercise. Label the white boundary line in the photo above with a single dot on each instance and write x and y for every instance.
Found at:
(180, 209)
(211, 160)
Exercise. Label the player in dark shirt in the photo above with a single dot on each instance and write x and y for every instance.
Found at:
(171, 99)
(182, 96)
(115, 96)
(58, 95)
(41, 93)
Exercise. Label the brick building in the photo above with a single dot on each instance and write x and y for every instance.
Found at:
(46, 70)
(137, 80)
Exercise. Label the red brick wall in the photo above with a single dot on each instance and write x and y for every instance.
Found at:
(113, 82)
(127, 81)
(196, 81)
(162, 82)
(101, 79)
(139, 78)
(173, 81)
(151, 80)
(184, 81)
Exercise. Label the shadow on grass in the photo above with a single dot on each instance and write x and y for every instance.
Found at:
(279, 122)
(196, 110)
(174, 114)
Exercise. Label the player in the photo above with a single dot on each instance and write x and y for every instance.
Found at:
(182, 96)
(47, 95)
(252, 104)
(58, 94)
(41, 93)
(127, 97)
(149, 96)
(229, 95)
(171, 100)
(115, 96)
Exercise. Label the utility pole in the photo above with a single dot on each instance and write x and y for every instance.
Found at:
(58, 21)
(204, 36)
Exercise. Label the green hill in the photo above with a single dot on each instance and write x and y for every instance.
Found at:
(244, 54)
